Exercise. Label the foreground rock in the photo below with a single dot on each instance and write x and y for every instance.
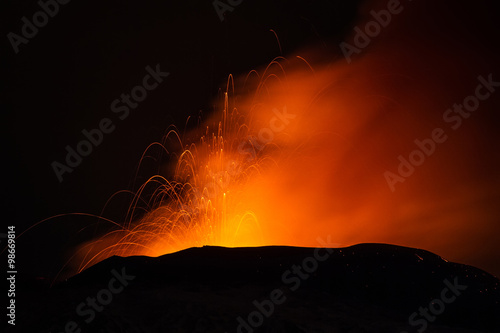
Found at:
(363, 288)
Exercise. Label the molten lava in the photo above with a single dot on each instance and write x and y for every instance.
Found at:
(303, 155)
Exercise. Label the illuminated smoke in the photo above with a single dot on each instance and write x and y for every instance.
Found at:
(322, 173)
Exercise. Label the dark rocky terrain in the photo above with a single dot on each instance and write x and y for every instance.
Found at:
(363, 288)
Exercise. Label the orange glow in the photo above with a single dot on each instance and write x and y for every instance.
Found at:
(322, 173)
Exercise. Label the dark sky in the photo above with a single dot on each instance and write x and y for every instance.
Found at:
(66, 77)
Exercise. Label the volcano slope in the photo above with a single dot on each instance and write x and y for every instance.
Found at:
(362, 288)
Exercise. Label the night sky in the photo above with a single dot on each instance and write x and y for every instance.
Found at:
(66, 77)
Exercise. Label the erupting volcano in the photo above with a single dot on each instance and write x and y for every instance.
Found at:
(298, 143)
(347, 184)
(383, 141)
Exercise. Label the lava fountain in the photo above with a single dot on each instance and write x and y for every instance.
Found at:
(300, 151)
(205, 200)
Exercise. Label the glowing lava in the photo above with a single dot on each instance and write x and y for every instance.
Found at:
(304, 154)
